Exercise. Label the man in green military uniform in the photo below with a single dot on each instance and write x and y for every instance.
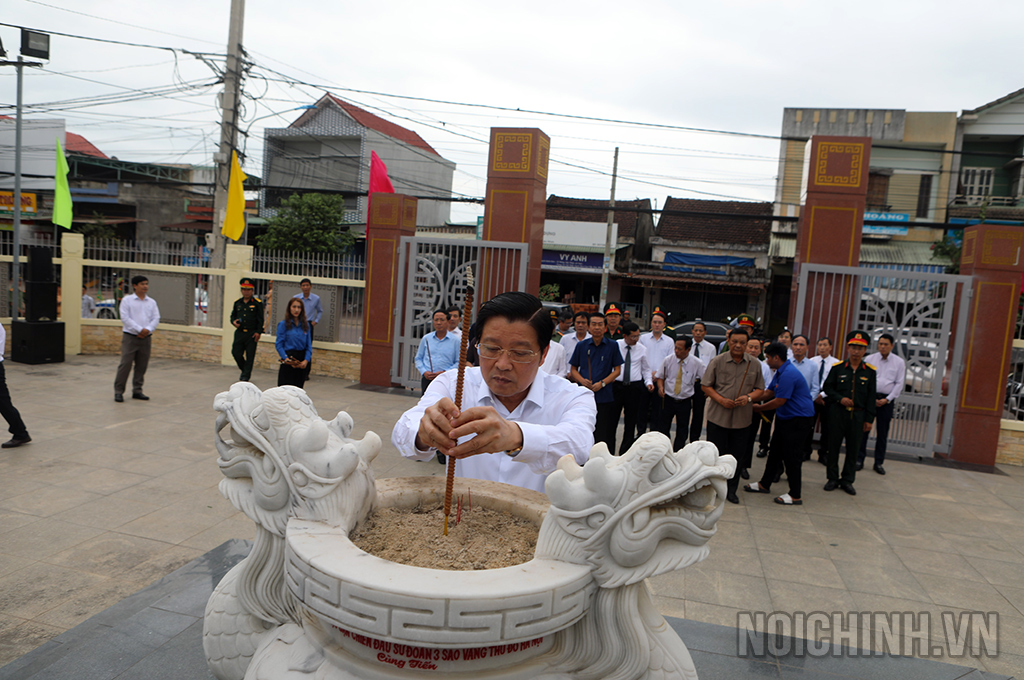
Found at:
(247, 318)
(613, 315)
(850, 392)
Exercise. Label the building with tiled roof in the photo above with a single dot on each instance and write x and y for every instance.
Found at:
(328, 148)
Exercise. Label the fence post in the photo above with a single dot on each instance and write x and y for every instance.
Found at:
(72, 251)
(237, 263)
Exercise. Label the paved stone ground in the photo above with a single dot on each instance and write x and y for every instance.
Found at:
(109, 498)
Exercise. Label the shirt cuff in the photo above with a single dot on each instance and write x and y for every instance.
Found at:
(534, 442)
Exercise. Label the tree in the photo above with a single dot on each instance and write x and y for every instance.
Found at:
(549, 292)
(97, 228)
(308, 223)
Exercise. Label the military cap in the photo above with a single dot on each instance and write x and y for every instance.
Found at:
(745, 320)
(858, 338)
(246, 282)
(612, 309)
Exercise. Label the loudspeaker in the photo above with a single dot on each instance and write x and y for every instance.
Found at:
(40, 301)
(40, 264)
(37, 342)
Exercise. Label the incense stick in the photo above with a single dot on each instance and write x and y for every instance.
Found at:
(467, 311)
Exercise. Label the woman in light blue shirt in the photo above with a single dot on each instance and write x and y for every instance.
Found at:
(294, 345)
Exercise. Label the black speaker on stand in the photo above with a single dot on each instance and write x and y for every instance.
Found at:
(40, 338)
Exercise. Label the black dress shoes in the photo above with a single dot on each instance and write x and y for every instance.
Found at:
(879, 469)
(118, 398)
(141, 396)
(860, 466)
(744, 474)
(732, 498)
(831, 485)
(848, 488)
(15, 442)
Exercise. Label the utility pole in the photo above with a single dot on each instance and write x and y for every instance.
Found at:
(228, 139)
(606, 269)
(28, 41)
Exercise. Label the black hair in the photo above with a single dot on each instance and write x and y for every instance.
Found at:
(628, 327)
(826, 338)
(565, 315)
(887, 336)
(663, 315)
(801, 335)
(136, 280)
(517, 306)
(305, 281)
(439, 311)
(739, 330)
(686, 339)
(703, 325)
(599, 315)
(776, 349)
(585, 315)
(785, 330)
(454, 308)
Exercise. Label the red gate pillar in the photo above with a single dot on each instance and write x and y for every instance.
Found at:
(992, 255)
(515, 204)
(829, 232)
(391, 217)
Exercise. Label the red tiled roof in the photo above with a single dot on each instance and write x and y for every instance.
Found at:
(724, 221)
(593, 210)
(374, 122)
(81, 146)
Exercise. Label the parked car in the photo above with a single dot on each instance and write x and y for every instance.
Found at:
(558, 308)
(717, 332)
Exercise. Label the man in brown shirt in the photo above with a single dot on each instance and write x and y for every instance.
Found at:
(732, 381)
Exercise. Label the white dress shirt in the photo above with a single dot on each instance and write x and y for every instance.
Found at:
(693, 370)
(555, 362)
(569, 342)
(657, 348)
(767, 373)
(890, 374)
(138, 313)
(829, 362)
(707, 352)
(639, 369)
(557, 417)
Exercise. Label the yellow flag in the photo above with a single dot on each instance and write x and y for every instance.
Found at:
(234, 218)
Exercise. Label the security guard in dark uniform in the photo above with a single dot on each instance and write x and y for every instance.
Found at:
(850, 392)
(247, 318)
(613, 333)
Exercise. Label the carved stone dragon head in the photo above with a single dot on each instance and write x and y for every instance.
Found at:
(642, 514)
(283, 460)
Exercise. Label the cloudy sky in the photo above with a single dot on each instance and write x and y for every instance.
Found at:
(728, 66)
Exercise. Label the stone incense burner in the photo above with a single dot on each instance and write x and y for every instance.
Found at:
(307, 603)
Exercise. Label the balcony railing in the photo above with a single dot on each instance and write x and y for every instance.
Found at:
(993, 201)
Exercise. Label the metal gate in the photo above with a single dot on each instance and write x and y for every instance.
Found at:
(927, 315)
(432, 276)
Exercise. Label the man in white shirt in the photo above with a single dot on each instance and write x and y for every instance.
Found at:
(517, 421)
(139, 318)
(890, 377)
(658, 345)
(704, 352)
(555, 362)
(88, 305)
(582, 324)
(823, 362)
(634, 382)
(677, 378)
(455, 322)
(15, 425)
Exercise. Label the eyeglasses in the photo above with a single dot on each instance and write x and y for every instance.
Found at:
(516, 356)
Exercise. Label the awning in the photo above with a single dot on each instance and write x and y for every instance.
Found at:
(668, 280)
(783, 246)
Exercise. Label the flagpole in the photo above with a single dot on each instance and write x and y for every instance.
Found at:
(15, 292)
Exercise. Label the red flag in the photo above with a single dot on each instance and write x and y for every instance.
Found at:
(379, 181)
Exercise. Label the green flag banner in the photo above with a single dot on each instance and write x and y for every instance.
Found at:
(62, 208)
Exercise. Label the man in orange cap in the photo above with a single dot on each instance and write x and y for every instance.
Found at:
(850, 391)
(613, 317)
(247, 318)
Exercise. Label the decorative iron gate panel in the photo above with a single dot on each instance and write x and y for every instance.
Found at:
(432, 276)
(925, 312)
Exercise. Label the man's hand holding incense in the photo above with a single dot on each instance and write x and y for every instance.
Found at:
(443, 425)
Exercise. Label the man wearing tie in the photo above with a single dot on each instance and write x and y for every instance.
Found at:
(677, 378)
(823, 363)
(890, 377)
(704, 352)
(632, 384)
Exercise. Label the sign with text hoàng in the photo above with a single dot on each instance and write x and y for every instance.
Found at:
(28, 202)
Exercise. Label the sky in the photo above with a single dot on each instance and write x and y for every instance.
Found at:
(661, 69)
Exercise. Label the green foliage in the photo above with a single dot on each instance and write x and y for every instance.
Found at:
(309, 223)
(549, 292)
(948, 249)
(95, 228)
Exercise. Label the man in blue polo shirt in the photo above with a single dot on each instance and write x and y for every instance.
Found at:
(794, 415)
(595, 364)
